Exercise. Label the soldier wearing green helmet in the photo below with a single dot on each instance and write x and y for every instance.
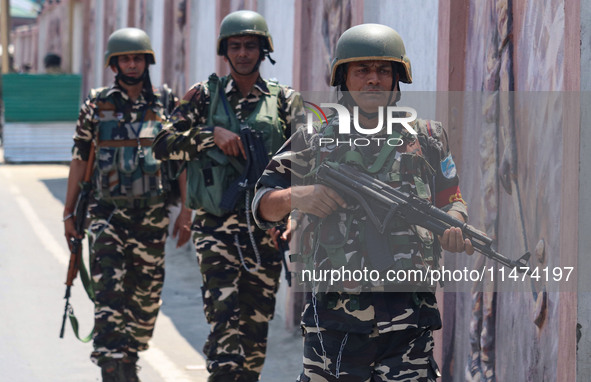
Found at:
(245, 23)
(226, 129)
(370, 42)
(129, 211)
(128, 41)
(366, 329)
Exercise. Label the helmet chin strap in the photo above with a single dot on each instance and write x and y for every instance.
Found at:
(263, 53)
(128, 80)
(255, 69)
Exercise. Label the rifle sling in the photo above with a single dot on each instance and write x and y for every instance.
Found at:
(76, 327)
(87, 284)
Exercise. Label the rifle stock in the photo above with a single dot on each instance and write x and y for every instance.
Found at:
(415, 211)
(76, 244)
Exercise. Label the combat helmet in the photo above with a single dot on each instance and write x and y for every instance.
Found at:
(370, 42)
(129, 41)
(244, 23)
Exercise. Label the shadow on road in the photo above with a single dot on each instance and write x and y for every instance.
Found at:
(57, 187)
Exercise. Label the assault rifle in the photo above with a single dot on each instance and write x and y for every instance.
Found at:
(379, 198)
(76, 244)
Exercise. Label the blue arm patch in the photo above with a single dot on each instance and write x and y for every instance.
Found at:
(448, 167)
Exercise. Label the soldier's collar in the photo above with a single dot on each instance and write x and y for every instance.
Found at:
(116, 88)
(260, 85)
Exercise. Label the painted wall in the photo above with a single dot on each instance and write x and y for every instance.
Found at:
(53, 29)
(26, 36)
(201, 50)
(89, 53)
(280, 20)
(513, 152)
(584, 216)
(318, 25)
(416, 21)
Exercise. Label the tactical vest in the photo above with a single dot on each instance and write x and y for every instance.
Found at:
(212, 172)
(402, 246)
(126, 170)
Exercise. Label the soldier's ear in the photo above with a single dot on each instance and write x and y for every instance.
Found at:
(113, 63)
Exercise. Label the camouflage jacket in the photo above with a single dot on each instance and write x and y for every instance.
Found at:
(109, 115)
(356, 311)
(87, 123)
(186, 133)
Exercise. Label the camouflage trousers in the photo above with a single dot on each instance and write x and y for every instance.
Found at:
(127, 268)
(238, 304)
(405, 355)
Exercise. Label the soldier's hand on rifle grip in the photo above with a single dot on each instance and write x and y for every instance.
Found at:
(316, 199)
(452, 240)
(275, 234)
(228, 141)
(70, 231)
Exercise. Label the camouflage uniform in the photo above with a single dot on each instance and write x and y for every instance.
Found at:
(390, 333)
(367, 335)
(128, 226)
(238, 304)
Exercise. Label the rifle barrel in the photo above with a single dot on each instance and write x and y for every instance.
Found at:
(414, 210)
(65, 316)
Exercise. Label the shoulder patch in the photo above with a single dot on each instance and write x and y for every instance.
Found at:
(448, 167)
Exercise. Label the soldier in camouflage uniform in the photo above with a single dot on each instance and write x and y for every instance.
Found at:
(129, 214)
(240, 268)
(360, 332)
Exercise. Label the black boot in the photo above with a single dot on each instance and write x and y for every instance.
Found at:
(129, 370)
(111, 372)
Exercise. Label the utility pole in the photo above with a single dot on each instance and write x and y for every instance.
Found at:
(5, 33)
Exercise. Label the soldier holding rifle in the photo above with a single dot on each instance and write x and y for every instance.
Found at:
(360, 332)
(129, 209)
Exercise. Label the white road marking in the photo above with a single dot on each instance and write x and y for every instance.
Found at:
(164, 366)
(49, 242)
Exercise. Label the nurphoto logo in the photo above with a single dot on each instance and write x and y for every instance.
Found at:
(402, 115)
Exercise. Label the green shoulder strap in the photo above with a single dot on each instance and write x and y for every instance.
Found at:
(216, 90)
(384, 154)
(87, 283)
(274, 87)
(355, 157)
(213, 85)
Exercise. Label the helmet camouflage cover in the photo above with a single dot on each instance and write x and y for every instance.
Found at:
(371, 42)
(129, 41)
(244, 23)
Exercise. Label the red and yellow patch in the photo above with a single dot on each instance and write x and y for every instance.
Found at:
(448, 196)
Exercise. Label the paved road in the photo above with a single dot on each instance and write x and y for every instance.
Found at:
(33, 261)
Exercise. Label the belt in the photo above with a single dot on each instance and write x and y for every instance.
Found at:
(126, 142)
(135, 203)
